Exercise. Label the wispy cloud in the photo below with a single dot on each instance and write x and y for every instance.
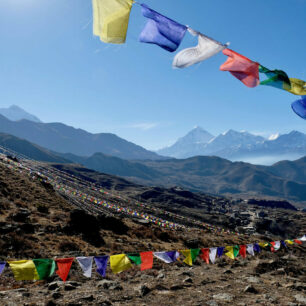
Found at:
(145, 126)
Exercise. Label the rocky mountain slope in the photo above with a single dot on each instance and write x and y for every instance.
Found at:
(36, 221)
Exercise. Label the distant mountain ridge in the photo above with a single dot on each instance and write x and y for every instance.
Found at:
(16, 113)
(214, 175)
(66, 139)
(235, 145)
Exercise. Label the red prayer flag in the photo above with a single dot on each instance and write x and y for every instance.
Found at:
(205, 255)
(272, 246)
(242, 251)
(241, 68)
(297, 241)
(63, 265)
(146, 260)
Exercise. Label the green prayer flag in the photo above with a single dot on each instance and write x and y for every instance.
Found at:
(236, 250)
(135, 258)
(194, 254)
(45, 267)
(276, 78)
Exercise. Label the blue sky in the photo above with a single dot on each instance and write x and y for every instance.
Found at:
(52, 66)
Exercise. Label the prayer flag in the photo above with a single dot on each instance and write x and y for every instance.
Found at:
(212, 254)
(205, 255)
(275, 245)
(250, 249)
(299, 107)
(297, 241)
(187, 254)
(167, 257)
(257, 248)
(161, 30)
(2, 266)
(302, 238)
(63, 265)
(206, 48)
(276, 78)
(45, 267)
(111, 19)
(135, 258)
(101, 263)
(120, 263)
(220, 251)
(24, 270)
(289, 241)
(86, 265)
(241, 68)
(146, 260)
(283, 243)
(242, 251)
(298, 87)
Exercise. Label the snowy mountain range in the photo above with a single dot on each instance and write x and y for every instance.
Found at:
(242, 146)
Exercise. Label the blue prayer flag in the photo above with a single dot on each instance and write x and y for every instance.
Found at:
(256, 248)
(220, 251)
(2, 266)
(101, 262)
(161, 30)
(299, 107)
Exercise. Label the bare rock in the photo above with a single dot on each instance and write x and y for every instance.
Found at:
(108, 284)
(69, 287)
(144, 290)
(53, 286)
(300, 298)
(188, 280)
(250, 289)
(223, 297)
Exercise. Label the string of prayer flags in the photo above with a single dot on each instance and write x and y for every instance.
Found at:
(232, 251)
(205, 255)
(160, 30)
(250, 249)
(206, 48)
(45, 267)
(2, 266)
(111, 19)
(135, 258)
(298, 87)
(119, 263)
(146, 260)
(289, 241)
(24, 270)
(241, 68)
(242, 251)
(85, 264)
(167, 257)
(213, 254)
(276, 78)
(101, 263)
(299, 107)
(63, 265)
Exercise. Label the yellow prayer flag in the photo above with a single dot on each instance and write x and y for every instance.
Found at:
(298, 87)
(120, 263)
(230, 252)
(111, 19)
(188, 258)
(24, 270)
(263, 244)
(289, 241)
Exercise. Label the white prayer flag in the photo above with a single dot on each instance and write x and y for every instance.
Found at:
(213, 254)
(250, 249)
(86, 265)
(206, 48)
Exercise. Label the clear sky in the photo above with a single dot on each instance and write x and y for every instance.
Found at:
(52, 66)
